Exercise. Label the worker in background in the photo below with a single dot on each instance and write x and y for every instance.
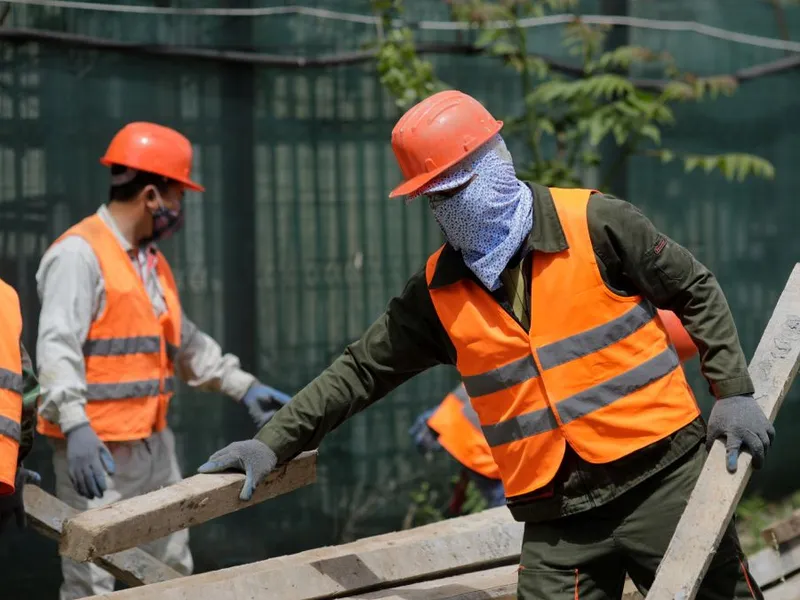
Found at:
(454, 426)
(544, 299)
(112, 338)
(19, 391)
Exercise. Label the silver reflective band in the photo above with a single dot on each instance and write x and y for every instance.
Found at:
(466, 409)
(461, 393)
(521, 427)
(587, 342)
(128, 390)
(10, 429)
(583, 403)
(144, 344)
(618, 387)
(501, 378)
(10, 381)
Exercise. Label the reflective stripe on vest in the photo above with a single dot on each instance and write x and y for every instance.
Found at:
(129, 351)
(460, 434)
(10, 387)
(588, 371)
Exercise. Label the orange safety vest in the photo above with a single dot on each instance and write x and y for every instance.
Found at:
(596, 370)
(460, 433)
(129, 350)
(10, 387)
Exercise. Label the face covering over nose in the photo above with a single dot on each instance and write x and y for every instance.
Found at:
(165, 223)
(490, 218)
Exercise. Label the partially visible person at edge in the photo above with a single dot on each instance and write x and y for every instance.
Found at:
(19, 392)
(545, 301)
(454, 426)
(112, 337)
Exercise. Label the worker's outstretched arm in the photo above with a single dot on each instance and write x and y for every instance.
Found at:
(638, 258)
(201, 364)
(406, 340)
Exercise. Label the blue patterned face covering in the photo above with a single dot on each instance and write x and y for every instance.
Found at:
(483, 210)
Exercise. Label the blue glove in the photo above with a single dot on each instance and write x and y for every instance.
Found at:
(252, 457)
(13, 504)
(88, 459)
(740, 420)
(263, 402)
(424, 437)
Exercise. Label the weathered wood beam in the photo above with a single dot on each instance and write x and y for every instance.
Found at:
(717, 492)
(492, 584)
(481, 541)
(129, 523)
(783, 531)
(46, 514)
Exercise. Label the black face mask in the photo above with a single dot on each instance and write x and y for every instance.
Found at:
(165, 223)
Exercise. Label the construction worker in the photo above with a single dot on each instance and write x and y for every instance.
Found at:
(454, 426)
(112, 336)
(19, 391)
(544, 300)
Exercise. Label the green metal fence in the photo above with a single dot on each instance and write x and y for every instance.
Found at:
(294, 248)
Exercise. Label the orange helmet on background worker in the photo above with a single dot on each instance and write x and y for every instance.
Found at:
(155, 149)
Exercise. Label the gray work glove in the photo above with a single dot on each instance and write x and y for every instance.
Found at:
(252, 457)
(744, 426)
(13, 504)
(263, 402)
(88, 459)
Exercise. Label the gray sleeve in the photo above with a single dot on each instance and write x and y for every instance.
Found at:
(70, 289)
(202, 365)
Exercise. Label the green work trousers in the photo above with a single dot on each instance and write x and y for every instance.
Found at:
(586, 556)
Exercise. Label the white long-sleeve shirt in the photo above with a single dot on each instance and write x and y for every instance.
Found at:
(72, 293)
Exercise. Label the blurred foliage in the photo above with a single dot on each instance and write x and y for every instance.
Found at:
(567, 118)
(429, 504)
(755, 514)
(408, 78)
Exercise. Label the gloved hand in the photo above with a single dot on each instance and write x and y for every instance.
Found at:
(263, 402)
(13, 504)
(424, 437)
(252, 457)
(88, 460)
(744, 425)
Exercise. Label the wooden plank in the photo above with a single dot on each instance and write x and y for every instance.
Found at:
(481, 541)
(769, 566)
(785, 590)
(492, 584)
(129, 523)
(783, 531)
(717, 492)
(46, 514)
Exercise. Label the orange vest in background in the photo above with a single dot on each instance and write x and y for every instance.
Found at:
(595, 370)
(10, 387)
(129, 351)
(460, 433)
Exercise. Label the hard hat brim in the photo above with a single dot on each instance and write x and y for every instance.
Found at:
(407, 188)
(185, 181)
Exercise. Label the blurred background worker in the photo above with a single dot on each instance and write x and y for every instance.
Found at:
(454, 426)
(112, 337)
(18, 393)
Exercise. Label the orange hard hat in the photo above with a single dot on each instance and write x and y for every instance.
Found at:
(155, 149)
(437, 133)
(678, 335)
